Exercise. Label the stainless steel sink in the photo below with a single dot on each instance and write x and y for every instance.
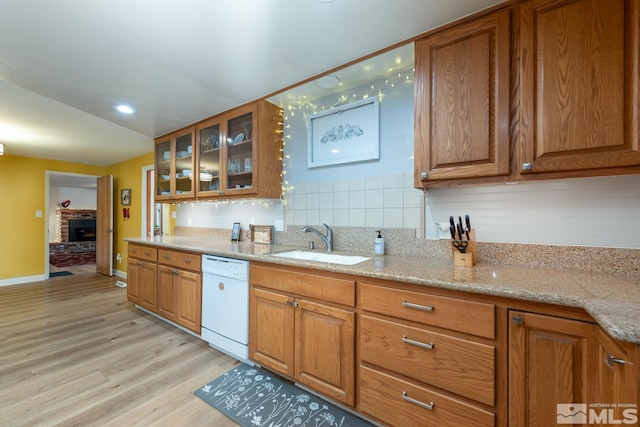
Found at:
(322, 257)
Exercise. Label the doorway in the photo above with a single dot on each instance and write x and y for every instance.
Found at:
(70, 198)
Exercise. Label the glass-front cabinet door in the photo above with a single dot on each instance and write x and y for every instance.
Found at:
(163, 169)
(209, 158)
(174, 166)
(240, 158)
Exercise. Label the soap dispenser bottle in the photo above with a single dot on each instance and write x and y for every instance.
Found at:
(378, 244)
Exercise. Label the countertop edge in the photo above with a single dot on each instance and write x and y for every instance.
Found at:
(613, 323)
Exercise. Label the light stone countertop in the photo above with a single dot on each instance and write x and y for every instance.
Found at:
(612, 300)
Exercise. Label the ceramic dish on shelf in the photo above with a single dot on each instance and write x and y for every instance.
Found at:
(166, 155)
(186, 172)
(165, 177)
(182, 153)
(238, 139)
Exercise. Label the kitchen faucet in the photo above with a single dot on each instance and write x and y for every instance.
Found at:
(328, 239)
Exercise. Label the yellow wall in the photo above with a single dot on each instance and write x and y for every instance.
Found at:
(22, 193)
(127, 174)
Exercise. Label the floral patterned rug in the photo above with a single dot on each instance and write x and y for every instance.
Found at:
(254, 397)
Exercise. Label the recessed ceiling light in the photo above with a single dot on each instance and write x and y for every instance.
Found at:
(328, 82)
(125, 109)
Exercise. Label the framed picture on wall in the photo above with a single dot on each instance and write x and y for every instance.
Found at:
(125, 197)
(345, 134)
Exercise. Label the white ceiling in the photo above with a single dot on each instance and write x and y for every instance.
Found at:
(64, 65)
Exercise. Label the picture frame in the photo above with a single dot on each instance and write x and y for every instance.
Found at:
(125, 197)
(345, 134)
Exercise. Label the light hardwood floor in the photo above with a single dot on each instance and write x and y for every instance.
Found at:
(75, 352)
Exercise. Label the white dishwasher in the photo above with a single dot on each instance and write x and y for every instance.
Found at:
(225, 305)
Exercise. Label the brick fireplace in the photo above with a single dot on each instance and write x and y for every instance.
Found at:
(65, 253)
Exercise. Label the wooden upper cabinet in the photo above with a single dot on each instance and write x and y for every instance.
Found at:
(579, 75)
(240, 153)
(462, 101)
(174, 163)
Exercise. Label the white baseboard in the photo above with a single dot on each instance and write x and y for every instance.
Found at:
(120, 274)
(21, 280)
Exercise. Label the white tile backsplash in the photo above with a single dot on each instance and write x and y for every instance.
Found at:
(375, 201)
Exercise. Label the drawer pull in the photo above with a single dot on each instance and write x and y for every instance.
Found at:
(186, 260)
(417, 306)
(147, 253)
(417, 343)
(139, 263)
(133, 251)
(165, 256)
(612, 360)
(428, 406)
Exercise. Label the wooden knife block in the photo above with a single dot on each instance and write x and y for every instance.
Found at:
(469, 258)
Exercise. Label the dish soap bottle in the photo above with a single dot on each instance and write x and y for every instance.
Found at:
(378, 244)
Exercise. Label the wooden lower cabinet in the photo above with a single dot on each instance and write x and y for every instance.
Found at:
(550, 361)
(308, 341)
(180, 296)
(325, 349)
(168, 283)
(617, 378)
(271, 330)
(141, 283)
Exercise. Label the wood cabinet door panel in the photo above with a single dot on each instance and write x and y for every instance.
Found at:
(386, 398)
(580, 82)
(134, 277)
(618, 374)
(271, 330)
(461, 366)
(189, 299)
(462, 101)
(550, 361)
(325, 350)
(148, 286)
(167, 295)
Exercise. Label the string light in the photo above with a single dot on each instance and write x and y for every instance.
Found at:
(306, 108)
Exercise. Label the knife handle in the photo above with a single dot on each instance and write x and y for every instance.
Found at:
(467, 222)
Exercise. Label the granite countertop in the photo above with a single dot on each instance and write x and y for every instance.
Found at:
(612, 300)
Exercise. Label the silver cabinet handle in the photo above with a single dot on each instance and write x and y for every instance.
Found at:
(133, 251)
(186, 260)
(612, 360)
(417, 306)
(527, 166)
(424, 175)
(139, 263)
(428, 406)
(417, 343)
(176, 272)
(147, 253)
(165, 256)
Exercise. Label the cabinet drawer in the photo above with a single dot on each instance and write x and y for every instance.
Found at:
(321, 286)
(398, 403)
(451, 313)
(461, 366)
(168, 257)
(143, 252)
(187, 261)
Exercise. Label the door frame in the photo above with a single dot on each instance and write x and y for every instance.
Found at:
(47, 186)
(147, 191)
